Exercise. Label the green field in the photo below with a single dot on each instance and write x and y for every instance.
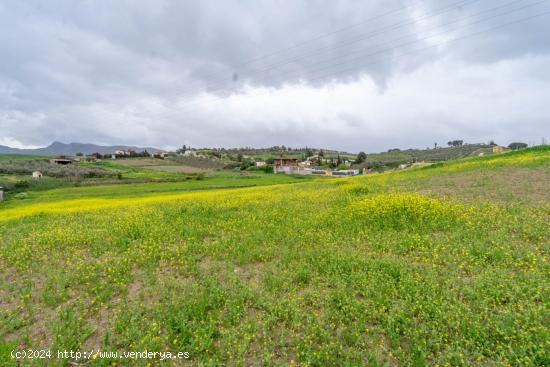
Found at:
(441, 265)
(22, 157)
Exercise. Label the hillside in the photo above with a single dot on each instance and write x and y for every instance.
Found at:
(439, 265)
(397, 156)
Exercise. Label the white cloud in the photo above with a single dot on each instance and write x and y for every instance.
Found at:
(14, 143)
(440, 101)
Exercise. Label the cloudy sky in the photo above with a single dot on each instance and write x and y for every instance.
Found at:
(341, 74)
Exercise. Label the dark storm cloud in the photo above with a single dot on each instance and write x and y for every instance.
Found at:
(131, 72)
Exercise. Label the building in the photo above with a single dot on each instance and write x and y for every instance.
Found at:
(302, 171)
(62, 161)
(1, 194)
(286, 165)
(160, 155)
(259, 164)
(37, 175)
(320, 172)
(498, 149)
(345, 172)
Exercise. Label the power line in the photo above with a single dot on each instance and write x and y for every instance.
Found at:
(439, 11)
(432, 36)
(362, 38)
(214, 99)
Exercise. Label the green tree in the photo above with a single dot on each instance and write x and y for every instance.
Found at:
(361, 157)
(517, 145)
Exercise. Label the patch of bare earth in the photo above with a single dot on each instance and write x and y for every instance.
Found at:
(251, 273)
(519, 185)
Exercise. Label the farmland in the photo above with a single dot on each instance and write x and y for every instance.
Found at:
(439, 265)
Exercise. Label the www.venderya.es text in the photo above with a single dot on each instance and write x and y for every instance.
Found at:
(95, 354)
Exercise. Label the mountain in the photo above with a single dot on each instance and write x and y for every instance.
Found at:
(58, 148)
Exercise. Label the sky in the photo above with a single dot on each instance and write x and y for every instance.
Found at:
(342, 74)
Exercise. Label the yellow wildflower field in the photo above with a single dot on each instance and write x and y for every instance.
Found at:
(382, 269)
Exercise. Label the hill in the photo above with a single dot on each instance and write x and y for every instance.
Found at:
(58, 148)
(397, 156)
(441, 265)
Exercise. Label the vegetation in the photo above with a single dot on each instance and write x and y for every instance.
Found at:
(203, 163)
(517, 146)
(16, 179)
(455, 143)
(51, 169)
(394, 157)
(361, 157)
(23, 157)
(442, 265)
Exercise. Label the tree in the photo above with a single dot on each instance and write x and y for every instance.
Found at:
(321, 153)
(492, 143)
(361, 157)
(79, 154)
(455, 143)
(309, 153)
(517, 146)
(240, 157)
(182, 150)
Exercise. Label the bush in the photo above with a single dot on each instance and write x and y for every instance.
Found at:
(20, 196)
(21, 185)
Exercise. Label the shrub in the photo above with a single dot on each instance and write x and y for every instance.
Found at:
(21, 185)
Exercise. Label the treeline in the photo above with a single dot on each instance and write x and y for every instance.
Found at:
(131, 154)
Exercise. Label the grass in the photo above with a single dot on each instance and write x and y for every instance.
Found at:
(416, 267)
(14, 157)
(130, 194)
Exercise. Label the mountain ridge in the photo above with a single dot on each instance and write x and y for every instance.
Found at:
(59, 148)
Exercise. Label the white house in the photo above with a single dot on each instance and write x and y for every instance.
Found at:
(36, 175)
(259, 164)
